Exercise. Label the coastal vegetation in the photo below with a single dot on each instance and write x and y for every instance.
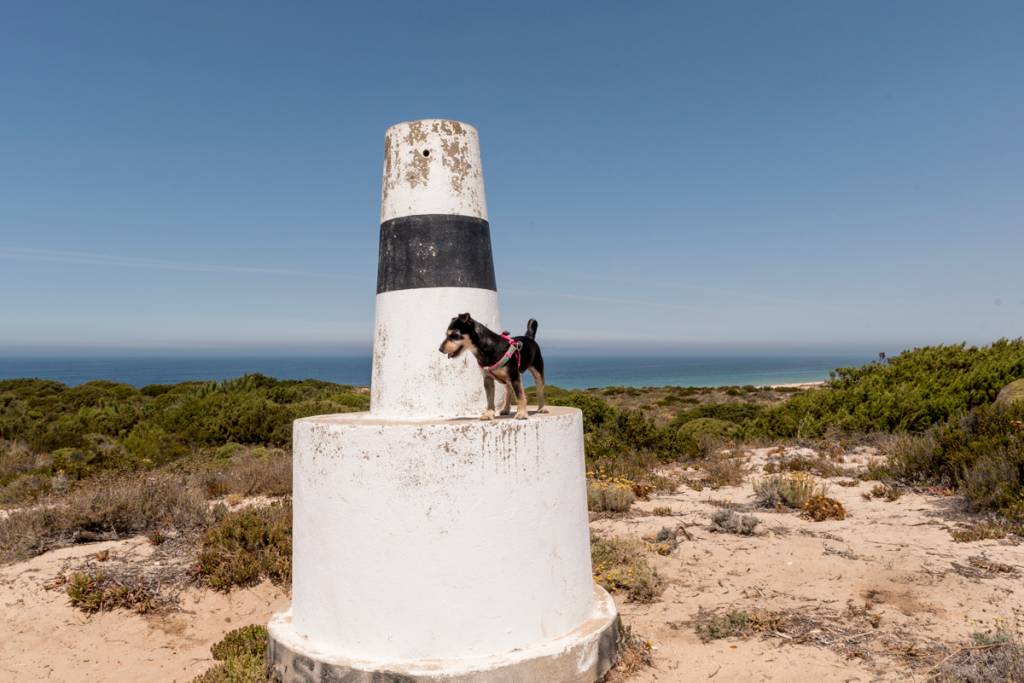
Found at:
(202, 470)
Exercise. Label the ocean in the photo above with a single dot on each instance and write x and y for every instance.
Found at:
(570, 372)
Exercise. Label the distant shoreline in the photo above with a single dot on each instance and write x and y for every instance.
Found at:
(567, 372)
(798, 385)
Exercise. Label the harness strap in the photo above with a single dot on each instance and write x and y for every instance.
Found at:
(513, 350)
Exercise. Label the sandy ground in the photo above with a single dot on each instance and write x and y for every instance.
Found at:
(44, 638)
(893, 562)
(892, 565)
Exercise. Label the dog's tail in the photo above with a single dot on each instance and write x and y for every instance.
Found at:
(531, 328)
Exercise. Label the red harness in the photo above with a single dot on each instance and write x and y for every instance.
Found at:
(513, 350)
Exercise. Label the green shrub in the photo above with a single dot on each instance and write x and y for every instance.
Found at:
(692, 436)
(981, 453)
(242, 653)
(247, 546)
(103, 425)
(909, 392)
(250, 639)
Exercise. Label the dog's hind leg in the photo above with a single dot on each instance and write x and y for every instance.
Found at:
(538, 381)
(489, 390)
(521, 411)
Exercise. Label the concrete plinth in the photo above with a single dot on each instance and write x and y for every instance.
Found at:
(440, 548)
(581, 656)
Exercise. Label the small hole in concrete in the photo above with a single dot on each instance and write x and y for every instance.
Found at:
(426, 152)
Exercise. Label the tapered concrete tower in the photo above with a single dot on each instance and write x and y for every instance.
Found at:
(430, 545)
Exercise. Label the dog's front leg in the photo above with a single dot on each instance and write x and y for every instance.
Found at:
(509, 390)
(489, 390)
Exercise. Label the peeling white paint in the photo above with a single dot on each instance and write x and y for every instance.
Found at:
(447, 179)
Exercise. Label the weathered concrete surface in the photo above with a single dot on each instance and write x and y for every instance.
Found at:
(413, 380)
(581, 656)
(432, 169)
(439, 539)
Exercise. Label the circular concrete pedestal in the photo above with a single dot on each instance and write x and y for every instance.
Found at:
(442, 550)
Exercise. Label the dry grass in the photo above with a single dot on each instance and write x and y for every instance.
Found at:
(632, 653)
(662, 511)
(990, 658)
(989, 529)
(791, 490)
(610, 496)
(104, 508)
(96, 592)
(249, 472)
(886, 491)
(723, 468)
(818, 465)
(620, 567)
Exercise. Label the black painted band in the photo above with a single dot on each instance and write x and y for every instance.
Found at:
(435, 250)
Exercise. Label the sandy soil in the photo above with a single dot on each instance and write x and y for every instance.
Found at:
(44, 638)
(886, 590)
(893, 563)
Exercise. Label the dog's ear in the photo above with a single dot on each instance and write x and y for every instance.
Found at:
(465, 318)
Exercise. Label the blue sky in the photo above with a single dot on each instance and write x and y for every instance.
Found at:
(205, 176)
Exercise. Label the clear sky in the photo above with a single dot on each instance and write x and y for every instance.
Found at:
(206, 175)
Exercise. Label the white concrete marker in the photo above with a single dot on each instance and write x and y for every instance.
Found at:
(435, 263)
(428, 545)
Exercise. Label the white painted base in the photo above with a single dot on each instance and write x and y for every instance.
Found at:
(454, 539)
(582, 655)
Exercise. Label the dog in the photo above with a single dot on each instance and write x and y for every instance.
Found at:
(500, 357)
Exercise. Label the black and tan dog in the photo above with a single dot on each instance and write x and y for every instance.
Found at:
(500, 357)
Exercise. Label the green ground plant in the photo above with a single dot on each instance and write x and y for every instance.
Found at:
(248, 546)
(241, 655)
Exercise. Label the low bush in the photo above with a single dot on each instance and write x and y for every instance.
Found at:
(820, 508)
(620, 566)
(693, 436)
(609, 496)
(791, 490)
(247, 546)
(632, 653)
(981, 454)
(242, 657)
(105, 507)
(95, 592)
(724, 469)
(819, 466)
(731, 522)
(989, 658)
